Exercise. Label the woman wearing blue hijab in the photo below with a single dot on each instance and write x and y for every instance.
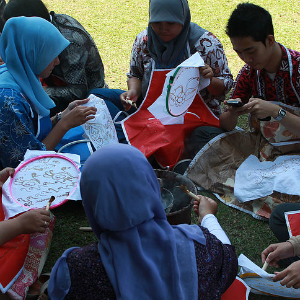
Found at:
(29, 48)
(139, 255)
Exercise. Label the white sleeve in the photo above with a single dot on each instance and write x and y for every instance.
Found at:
(211, 223)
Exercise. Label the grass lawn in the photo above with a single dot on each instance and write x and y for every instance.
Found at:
(114, 25)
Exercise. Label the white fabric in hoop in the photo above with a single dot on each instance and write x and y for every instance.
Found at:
(41, 175)
(187, 82)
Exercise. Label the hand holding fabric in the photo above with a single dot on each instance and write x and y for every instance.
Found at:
(4, 174)
(77, 114)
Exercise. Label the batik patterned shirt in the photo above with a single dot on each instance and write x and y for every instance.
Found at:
(251, 82)
(80, 69)
(18, 128)
(211, 51)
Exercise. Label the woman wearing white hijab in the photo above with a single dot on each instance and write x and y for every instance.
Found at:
(30, 48)
(139, 255)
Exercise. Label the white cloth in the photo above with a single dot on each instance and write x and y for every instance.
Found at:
(101, 130)
(255, 179)
(159, 108)
(212, 224)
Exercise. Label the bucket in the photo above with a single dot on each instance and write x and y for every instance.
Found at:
(180, 212)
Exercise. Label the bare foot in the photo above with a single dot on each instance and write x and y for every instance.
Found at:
(204, 206)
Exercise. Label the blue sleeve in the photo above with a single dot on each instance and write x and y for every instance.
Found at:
(17, 130)
(60, 280)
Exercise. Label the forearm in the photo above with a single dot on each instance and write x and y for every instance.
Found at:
(291, 122)
(216, 87)
(55, 135)
(211, 223)
(9, 229)
(135, 84)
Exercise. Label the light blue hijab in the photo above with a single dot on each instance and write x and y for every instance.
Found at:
(144, 256)
(28, 46)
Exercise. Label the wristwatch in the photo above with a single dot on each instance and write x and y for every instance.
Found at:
(281, 114)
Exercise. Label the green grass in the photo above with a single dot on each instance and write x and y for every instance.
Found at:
(114, 25)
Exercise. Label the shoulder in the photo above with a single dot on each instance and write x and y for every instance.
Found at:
(10, 98)
(71, 29)
(142, 38)
(64, 19)
(208, 38)
(295, 55)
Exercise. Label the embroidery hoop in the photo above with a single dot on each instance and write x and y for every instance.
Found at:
(57, 202)
(186, 79)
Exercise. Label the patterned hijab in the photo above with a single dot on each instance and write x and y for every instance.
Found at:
(28, 46)
(144, 256)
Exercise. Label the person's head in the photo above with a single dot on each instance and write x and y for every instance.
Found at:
(26, 8)
(29, 47)
(31, 41)
(167, 18)
(250, 20)
(251, 32)
(119, 189)
(2, 6)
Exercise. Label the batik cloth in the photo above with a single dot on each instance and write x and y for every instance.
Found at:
(80, 69)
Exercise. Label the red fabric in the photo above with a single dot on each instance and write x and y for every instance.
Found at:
(55, 81)
(164, 142)
(238, 291)
(12, 255)
(294, 220)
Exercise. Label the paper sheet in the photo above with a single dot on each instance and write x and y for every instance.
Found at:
(250, 267)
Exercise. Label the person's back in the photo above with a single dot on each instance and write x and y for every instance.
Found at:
(81, 68)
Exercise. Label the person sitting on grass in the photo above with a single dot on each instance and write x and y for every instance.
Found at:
(80, 69)
(139, 255)
(30, 46)
(32, 221)
(170, 39)
(286, 253)
(271, 73)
